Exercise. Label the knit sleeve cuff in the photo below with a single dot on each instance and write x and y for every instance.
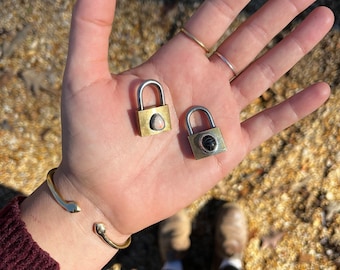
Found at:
(18, 250)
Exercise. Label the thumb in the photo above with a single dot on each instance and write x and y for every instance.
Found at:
(89, 41)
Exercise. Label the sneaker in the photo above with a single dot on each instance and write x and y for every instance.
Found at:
(231, 237)
(174, 236)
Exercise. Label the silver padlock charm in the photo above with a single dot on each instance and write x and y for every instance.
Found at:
(208, 142)
(156, 119)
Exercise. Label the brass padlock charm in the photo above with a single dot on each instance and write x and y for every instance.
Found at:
(153, 120)
(208, 142)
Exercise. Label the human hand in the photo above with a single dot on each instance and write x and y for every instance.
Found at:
(136, 181)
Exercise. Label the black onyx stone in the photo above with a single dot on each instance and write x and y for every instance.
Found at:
(209, 143)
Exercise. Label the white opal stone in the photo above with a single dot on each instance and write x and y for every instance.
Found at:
(157, 122)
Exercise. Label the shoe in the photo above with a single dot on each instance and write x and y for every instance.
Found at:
(231, 235)
(174, 236)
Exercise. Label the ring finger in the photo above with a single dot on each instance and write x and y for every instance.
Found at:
(263, 72)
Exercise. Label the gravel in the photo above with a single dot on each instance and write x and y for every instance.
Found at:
(288, 187)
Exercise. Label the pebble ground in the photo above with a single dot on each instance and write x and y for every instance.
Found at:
(288, 187)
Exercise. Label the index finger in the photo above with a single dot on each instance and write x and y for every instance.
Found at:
(212, 19)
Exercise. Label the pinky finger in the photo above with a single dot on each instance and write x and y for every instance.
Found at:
(269, 122)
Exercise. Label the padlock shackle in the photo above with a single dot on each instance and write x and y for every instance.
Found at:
(198, 108)
(140, 92)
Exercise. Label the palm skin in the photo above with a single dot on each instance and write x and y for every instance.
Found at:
(136, 181)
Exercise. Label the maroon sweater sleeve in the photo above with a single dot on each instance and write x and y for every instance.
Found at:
(17, 248)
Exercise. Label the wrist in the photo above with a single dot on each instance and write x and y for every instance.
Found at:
(69, 237)
(101, 226)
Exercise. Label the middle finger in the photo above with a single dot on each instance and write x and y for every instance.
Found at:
(253, 35)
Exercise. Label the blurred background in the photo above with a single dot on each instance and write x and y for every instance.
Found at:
(288, 187)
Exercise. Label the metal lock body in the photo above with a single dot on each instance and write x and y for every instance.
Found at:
(208, 142)
(153, 120)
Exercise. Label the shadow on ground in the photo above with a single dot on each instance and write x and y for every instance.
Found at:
(144, 253)
(7, 194)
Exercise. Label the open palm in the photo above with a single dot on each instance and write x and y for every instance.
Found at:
(137, 181)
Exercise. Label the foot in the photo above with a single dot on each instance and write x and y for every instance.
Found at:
(174, 236)
(230, 237)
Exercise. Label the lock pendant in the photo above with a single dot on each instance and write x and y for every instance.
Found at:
(208, 142)
(153, 120)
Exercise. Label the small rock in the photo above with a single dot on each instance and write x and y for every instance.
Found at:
(271, 240)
